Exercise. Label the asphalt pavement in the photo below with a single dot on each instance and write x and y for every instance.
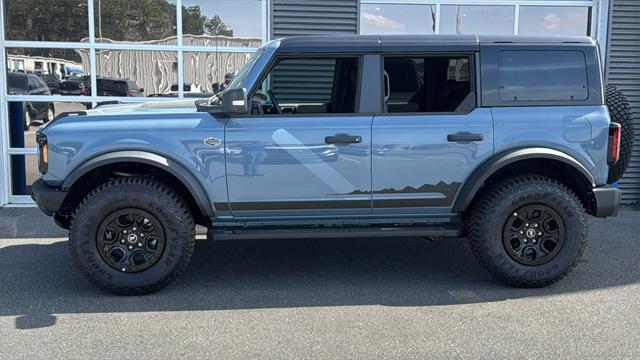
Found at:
(396, 298)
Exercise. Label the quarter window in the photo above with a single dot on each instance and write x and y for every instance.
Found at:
(542, 76)
(428, 84)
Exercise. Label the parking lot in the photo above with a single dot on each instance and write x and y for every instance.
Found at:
(355, 298)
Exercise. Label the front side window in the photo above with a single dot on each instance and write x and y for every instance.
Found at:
(542, 76)
(308, 86)
(428, 84)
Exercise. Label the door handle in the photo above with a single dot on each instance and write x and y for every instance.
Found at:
(463, 137)
(343, 139)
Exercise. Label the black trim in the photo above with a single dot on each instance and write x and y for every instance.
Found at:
(300, 205)
(446, 230)
(47, 198)
(169, 165)
(607, 201)
(404, 203)
(497, 162)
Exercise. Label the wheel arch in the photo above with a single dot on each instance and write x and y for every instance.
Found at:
(135, 162)
(538, 160)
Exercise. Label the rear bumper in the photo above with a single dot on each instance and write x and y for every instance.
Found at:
(607, 201)
(48, 198)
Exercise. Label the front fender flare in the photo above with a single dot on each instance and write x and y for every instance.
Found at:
(499, 161)
(171, 166)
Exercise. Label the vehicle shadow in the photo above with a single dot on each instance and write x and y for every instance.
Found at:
(39, 281)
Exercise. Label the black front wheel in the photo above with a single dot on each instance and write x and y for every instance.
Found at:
(528, 231)
(132, 235)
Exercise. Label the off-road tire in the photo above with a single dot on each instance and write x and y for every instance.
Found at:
(620, 112)
(489, 215)
(143, 194)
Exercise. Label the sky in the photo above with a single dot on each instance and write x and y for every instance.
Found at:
(243, 16)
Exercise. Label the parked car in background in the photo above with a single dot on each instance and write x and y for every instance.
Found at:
(76, 86)
(79, 86)
(31, 84)
(52, 82)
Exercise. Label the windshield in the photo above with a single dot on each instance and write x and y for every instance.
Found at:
(238, 80)
(17, 81)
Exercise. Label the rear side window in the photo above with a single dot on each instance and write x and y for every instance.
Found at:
(428, 84)
(542, 76)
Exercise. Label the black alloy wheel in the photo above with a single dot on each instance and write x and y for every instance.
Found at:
(534, 234)
(130, 240)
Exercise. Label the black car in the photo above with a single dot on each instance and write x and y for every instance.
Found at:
(31, 84)
(52, 82)
(106, 87)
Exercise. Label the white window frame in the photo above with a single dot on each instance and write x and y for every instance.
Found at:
(6, 197)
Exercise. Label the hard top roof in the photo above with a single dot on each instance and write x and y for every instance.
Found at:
(407, 43)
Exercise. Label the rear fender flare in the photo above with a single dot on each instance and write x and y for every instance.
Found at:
(501, 160)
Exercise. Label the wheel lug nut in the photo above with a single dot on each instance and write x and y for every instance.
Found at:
(515, 214)
(535, 225)
(124, 231)
(527, 224)
(139, 244)
(141, 235)
(130, 247)
(539, 232)
(134, 229)
(122, 241)
(124, 269)
(521, 232)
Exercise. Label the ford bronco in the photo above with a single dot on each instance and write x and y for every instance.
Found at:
(507, 141)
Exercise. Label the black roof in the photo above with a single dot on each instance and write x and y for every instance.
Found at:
(407, 43)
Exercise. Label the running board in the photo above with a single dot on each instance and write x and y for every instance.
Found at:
(336, 232)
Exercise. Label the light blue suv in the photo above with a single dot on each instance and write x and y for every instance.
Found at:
(505, 140)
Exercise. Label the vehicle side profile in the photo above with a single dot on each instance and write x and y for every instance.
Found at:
(508, 141)
(31, 84)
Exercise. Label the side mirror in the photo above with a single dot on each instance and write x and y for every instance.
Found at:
(234, 101)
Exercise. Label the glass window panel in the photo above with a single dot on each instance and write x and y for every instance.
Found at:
(46, 20)
(136, 72)
(543, 75)
(205, 72)
(135, 21)
(553, 20)
(24, 171)
(397, 19)
(36, 71)
(308, 86)
(476, 20)
(222, 22)
(36, 114)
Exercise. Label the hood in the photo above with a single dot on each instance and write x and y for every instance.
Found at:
(172, 106)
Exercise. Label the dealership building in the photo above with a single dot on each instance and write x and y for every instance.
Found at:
(90, 51)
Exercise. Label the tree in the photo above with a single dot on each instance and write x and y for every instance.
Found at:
(216, 27)
(192, 20)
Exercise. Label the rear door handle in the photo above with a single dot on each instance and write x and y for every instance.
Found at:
(461, 137)
(343, 139)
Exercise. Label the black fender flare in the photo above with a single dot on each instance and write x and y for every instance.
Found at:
(144, 157)
(500, 160)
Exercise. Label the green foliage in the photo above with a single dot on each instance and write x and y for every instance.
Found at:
(128, 20)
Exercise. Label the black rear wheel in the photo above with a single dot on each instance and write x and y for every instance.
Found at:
(132, 235)
(528, 231)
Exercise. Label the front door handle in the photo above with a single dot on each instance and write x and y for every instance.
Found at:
(464, 137)
(343, 139)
